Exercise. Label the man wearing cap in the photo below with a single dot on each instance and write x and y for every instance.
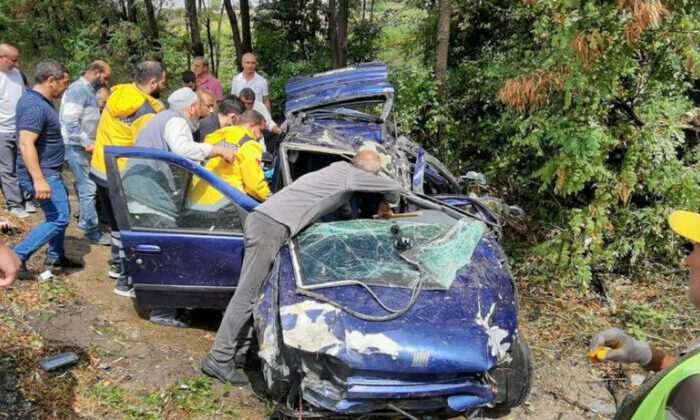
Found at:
(675, 394)
(170, 130)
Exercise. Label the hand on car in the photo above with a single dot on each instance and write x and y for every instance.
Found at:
(9, 265)
(384, 211)
(225, 153)
(42, 190)
(623, 347)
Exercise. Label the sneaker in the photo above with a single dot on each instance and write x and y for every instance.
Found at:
(123, 289)
(115, 270)
(226, 373)
(19, 212)
(29, 207)
(167, 318)
(61, 263)
(99, 239)
(24, 274)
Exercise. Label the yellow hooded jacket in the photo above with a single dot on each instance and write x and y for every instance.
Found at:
(245, 174)
(127, 111)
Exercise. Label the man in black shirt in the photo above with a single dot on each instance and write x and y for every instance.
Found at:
(229, 110)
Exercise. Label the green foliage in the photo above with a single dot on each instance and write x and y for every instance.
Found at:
(574, 111)
(290, 38)
(193, 397)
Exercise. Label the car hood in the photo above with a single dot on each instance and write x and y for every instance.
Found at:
(364, 81)
(466, 328)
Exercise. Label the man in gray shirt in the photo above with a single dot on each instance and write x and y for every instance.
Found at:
(272, 224)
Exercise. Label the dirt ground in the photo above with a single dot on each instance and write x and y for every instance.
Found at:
(132, 368)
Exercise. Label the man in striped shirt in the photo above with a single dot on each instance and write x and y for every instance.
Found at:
(79, 117)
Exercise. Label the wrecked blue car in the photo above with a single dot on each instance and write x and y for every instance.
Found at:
(410, 316)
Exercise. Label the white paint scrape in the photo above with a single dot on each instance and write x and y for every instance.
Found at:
(310, 334)
(371, 343)
(496, 335)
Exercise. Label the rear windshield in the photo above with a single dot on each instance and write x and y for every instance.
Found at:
(385, 253)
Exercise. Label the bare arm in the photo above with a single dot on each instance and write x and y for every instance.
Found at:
(659, 360)
(27, 140)
(9, 265)
(268, 104)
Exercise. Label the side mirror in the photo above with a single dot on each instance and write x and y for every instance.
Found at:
(476, 177)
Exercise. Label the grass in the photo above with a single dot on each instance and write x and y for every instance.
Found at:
(192, 398)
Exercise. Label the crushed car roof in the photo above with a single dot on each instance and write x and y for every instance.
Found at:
(368, 80)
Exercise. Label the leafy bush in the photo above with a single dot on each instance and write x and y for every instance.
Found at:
(574, 108)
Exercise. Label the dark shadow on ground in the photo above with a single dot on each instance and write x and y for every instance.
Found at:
(27, 392)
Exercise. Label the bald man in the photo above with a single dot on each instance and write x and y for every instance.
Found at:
(249, 78)
(207, 102)
(79, 116)
(11, 89)
(268, 228)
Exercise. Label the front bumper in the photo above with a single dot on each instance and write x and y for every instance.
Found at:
(365, 394)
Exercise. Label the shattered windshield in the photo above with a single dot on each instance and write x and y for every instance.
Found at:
(386, 253)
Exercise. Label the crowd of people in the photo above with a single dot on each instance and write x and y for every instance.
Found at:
(226, 134)
(196, 122)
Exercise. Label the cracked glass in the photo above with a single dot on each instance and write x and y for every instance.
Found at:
(386, 253)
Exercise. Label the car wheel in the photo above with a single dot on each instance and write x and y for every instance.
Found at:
(514, 380)
(276, 387)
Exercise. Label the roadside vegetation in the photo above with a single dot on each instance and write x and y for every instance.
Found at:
(585, 113)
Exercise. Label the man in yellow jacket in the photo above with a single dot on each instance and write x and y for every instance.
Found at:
(245, 174)
(129, 107)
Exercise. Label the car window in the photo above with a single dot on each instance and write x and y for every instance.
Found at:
(161, 195)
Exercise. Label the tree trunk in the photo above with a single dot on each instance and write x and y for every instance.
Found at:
(371, 10)
(131, 11)
(245, 27)
(442, 48)
(342, 33)
(333, 29)
(123, 15)
(197, 46)
(237, 43)
(210, 40)
(152, 22)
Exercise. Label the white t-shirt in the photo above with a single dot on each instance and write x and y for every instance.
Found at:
(261, 108)
(11, 88)
(257, 83)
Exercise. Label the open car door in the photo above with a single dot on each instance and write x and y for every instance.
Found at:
(183, 248)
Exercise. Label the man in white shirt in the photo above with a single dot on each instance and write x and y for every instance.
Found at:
(249, 78)
(247, 96)
(11, 89)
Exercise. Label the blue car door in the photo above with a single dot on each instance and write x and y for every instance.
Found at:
(181, 251)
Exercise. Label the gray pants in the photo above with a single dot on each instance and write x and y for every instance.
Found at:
(263, 239)
(8, 173)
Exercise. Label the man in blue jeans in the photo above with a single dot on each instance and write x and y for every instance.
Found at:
(40, 163)
(79, 117)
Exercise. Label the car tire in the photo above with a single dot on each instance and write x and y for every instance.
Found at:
(276, 388)
(143, 313)
(514, 379)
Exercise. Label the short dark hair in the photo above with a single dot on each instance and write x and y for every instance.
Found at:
(96, 65)
(188, 76)
(252, 117)
(231, 105)
(48, 68)
(247, 93)
(147, 70)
